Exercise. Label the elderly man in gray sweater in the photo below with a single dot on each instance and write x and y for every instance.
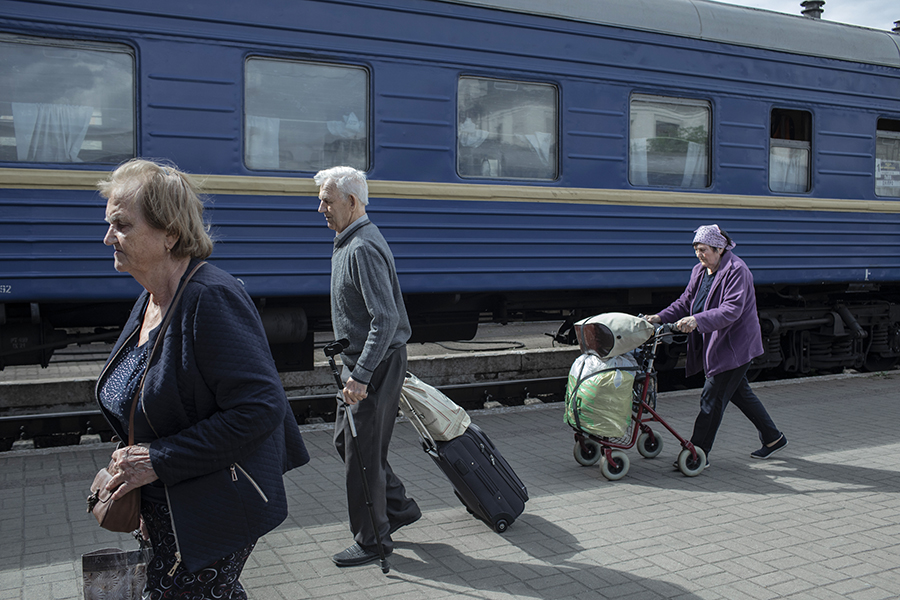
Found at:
(366, 308)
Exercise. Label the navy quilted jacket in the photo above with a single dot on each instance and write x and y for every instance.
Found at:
(225, 432)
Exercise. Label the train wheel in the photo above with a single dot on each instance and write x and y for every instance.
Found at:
(588, 453)
(876, 362)
(690, 466)
(617, 468)
(649, 445)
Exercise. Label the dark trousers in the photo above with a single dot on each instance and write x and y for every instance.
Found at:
(720, 389)
(374, 418)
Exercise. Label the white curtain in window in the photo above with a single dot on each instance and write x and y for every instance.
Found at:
(638, 162)
(50, 132)
(350, 127)
(695, 166)
(540, 142)
(470, 136)
(262, 142)
(788, 169)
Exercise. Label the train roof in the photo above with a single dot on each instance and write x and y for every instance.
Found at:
(717, 22)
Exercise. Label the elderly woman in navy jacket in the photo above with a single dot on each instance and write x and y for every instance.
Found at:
(212, 429)
(718, 310)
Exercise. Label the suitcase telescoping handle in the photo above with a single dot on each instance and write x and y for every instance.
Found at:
(332, 350)
(428, 443)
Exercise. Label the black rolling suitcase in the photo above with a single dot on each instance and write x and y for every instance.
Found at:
(481, 478)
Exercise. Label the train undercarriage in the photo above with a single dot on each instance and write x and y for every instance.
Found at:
(810, 329)
(805, 330)
(862, 336)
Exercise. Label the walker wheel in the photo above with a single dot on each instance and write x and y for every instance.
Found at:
(691, 467)
(587, 453)
(649, 444)
(616, 468)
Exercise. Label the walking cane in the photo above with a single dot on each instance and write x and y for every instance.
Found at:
(331, 350)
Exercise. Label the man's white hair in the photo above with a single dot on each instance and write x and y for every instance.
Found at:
(347, 180)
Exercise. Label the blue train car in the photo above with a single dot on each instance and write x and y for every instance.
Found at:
(526, 159)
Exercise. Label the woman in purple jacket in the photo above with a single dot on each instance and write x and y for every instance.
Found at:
(718, 310)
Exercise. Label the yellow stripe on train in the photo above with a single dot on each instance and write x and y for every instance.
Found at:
(52, 179)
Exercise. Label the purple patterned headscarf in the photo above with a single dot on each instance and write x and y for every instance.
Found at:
(712, 236)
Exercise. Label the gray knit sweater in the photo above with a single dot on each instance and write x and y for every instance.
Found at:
(366, 303)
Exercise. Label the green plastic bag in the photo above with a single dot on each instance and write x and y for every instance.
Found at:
(599, 394)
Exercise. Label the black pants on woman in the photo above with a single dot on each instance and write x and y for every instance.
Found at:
(720, 389)
(216, 581)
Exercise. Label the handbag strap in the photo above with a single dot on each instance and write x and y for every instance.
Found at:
(159, 336)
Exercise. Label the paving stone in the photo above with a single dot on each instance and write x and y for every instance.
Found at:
(818, 520)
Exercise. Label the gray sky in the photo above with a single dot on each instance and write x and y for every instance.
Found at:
(878, 14)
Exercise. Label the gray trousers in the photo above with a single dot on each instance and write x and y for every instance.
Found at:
(374, 418)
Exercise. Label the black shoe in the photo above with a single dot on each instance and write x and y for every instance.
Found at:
(409, 518)
(356, 555)
(767, 451)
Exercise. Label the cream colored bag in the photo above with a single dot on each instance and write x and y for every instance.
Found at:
(612, 334)
(429, 409)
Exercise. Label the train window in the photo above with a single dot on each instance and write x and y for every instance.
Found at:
(302, 116)
(669, 143)
(507, 129)
(887, 158)
(66, 102)
(790, 146)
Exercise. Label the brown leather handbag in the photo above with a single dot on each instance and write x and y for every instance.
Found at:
(124, 515)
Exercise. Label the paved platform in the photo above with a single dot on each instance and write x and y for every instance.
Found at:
(819, 520)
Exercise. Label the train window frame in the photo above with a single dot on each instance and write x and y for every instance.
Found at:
(887, 158)
(783, 151)
(349, 135)
(641, 152)
(481, 150)
(84, 125)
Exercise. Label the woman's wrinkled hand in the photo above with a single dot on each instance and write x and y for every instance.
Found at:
(653, 319)
(131, 469)
(686, 325)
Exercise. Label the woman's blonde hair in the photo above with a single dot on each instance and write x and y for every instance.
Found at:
(168, 198)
